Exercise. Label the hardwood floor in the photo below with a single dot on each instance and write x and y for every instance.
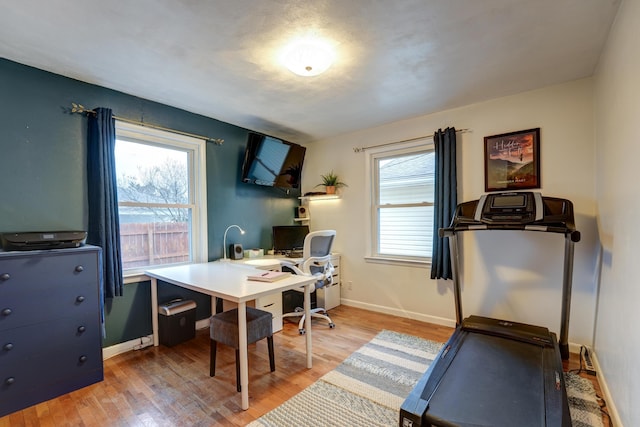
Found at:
(164, 386)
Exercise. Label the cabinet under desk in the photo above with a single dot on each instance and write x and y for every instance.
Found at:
(327, 298)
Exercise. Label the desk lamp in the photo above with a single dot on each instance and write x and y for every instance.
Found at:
(224, 240)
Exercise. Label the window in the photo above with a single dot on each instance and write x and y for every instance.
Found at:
(402, 203)
(161, 180)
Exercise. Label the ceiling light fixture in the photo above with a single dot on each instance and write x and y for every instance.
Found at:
(308, 57)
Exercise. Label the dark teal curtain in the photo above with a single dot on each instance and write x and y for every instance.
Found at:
(445, 201)
(104, 226)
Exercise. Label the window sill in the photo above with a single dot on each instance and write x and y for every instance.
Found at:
(135, 278)
(405, 262)
(137, 275)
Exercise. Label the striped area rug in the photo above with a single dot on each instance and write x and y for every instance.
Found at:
(369, 387)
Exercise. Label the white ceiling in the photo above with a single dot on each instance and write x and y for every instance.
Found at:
(396, 59)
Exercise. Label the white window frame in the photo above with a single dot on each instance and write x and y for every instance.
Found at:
(196, 152)
(374, 154)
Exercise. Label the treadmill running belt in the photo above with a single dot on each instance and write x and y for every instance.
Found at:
(493, 382)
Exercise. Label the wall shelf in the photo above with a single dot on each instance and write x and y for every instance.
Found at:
(320, 197)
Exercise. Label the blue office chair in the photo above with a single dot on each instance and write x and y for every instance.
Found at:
(316, 262)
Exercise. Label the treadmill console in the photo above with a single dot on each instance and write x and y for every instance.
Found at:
(525, 210)
(511, 208)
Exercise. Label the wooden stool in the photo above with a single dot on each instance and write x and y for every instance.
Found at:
(224, 329)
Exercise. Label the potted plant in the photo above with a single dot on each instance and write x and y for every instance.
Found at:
(331, 182)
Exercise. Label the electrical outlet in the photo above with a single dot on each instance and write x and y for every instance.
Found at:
(588, 363)
(144, 343)
(349, 285)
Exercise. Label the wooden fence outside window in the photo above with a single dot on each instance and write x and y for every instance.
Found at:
(154, 243)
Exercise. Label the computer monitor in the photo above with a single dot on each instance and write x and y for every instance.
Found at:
(287, 238)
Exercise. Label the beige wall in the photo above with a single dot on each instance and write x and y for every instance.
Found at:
(513, 275)
(617, 109)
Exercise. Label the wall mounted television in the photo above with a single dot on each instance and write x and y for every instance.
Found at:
(272, 162)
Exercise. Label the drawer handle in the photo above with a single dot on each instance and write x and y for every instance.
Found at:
(8, 346)
(79, 298)
(79, 269)
(5, 276)
(268, 305)
(81, 329)
(6, 312)
(9, 380)
(82, 359)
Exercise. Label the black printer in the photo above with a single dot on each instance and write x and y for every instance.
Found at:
(27, 241)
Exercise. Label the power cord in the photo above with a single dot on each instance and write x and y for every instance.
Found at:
(580, 370)
(601, 401)
(604, 410)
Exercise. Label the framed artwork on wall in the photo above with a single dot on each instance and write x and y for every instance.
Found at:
(512, 161)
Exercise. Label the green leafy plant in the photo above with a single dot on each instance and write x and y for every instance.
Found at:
(331, 180)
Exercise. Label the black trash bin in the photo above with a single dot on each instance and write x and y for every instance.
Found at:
(176, 322)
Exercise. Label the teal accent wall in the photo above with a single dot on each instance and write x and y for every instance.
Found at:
(43, 174)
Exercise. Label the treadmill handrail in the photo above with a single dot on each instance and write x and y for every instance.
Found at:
(558, 218)
(449, 231)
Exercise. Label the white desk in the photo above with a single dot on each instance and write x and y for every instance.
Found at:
(328, 297)
(268, 262)
(228, 281)
(273, 302)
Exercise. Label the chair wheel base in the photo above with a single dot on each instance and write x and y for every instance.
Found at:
(332, 325)
(302, 331)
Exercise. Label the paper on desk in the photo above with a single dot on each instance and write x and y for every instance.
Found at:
(269, 276)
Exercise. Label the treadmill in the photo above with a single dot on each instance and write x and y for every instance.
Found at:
(494, 372)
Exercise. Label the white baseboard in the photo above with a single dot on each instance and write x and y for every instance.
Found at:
(573, 348)
(400, 313)
(202, 324)
(140, 343)
(146, 341)
(611, 407)
(123, 347)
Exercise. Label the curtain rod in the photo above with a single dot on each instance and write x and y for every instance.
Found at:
(79, 109)
(361, 149)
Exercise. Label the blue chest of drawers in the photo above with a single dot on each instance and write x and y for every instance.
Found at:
(50, 325)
